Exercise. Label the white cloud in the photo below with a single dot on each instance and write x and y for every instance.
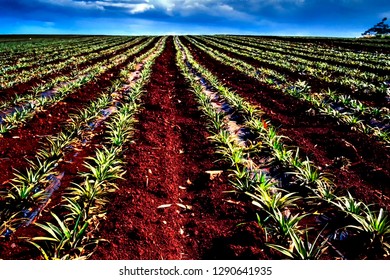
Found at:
(221, 8)
(184, 6)
(140, 8)
(49, 23)
(74, 4)
(204, 7)
(131, 6)
(276, 4)
(234, 10)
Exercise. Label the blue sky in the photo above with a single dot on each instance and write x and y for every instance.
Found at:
(338, 18)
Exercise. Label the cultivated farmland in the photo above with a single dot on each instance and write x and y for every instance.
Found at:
(194, 147)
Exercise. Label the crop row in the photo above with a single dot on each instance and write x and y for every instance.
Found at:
(8, 81)
(339, 45)
(84, 202)
(333, 76)
(49, 57)
(26, 50)
(73, 237)
(288, 191)
(25, 107)
(374, 61)
(317, 64)
(369, 120)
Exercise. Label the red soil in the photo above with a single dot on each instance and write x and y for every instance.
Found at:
(171, 148)
(356, 45)
(172, 151)
(167, 164)
(41, 62)
(22, 88)
(302, 55)
(23, 143)
(319, 137)
(317, 85)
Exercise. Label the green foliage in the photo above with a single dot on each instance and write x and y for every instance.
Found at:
(66, 240)
(377, 226)
(302, 248)
(381, 28)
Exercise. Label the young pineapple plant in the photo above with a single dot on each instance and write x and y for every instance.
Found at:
(375, 226)
(302, 248)
(66, 240)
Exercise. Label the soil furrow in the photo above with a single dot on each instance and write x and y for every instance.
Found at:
(317, 84)
(70, 166)
(167, 165)
(24, 87)
(358, 162)
(23, 142)
(300, 53)
(351, 45)
(82, 51)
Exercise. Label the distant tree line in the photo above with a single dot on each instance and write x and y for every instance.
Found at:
(379, 29)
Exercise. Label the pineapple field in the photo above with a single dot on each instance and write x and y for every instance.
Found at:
(194, 147)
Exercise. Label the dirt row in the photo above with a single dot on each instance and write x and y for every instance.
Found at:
(316, 84)
(168, 206)
(27, 142)
(355, 45)
(302, 55)
(34, 45)
(14, 247)
(22, 88)
(359, 163)
(22, 143)
(40, 63)
(167, 165)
